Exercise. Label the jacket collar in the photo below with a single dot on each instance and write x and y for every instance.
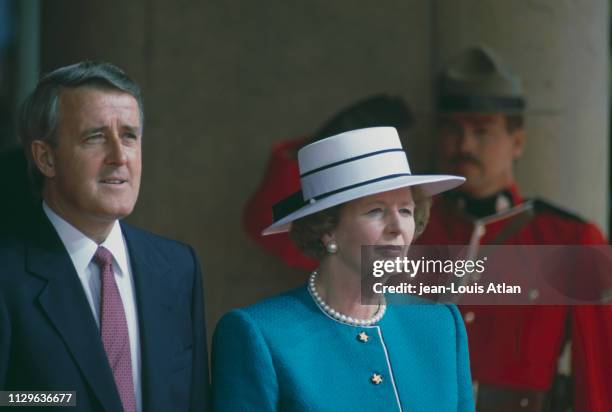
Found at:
(155, 298)
(482, 208)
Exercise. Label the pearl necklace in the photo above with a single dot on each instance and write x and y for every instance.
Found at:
(340, 316)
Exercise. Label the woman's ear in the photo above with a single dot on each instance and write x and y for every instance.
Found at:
(44, 157)
(327, 238)
(330, 243)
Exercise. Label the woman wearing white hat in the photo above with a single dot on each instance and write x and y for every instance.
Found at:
(317, 348)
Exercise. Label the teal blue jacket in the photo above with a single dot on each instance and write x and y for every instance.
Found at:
(285, 354)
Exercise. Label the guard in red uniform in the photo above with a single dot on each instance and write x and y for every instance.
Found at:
(523, 358)
(282, 177)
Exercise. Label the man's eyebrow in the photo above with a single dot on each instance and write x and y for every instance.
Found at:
(132, 129)
(93, 130)
(483, 121)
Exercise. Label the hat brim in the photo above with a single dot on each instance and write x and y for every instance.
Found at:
(430, 184)
(526, 112)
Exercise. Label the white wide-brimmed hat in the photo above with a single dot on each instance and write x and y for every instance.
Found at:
(349, 166)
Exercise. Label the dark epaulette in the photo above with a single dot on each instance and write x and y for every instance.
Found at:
(544, 206)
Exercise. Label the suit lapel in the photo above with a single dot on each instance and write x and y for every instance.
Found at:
(64, 302)
(154, 299)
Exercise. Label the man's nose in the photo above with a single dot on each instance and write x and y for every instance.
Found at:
(116, 151)
(467, 141)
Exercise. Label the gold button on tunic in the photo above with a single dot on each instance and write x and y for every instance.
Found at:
(376, 379)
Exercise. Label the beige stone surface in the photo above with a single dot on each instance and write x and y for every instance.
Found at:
(225, 80)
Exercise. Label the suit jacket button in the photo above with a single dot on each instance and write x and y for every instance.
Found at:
(363, 337)
(376, 379)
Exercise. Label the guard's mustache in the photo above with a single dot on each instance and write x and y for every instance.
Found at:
(466, 158)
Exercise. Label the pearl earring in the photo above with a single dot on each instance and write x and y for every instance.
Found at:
(332, 247)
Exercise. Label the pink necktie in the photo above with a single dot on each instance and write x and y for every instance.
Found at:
(114, 331)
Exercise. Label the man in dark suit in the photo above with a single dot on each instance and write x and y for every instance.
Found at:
(88, 303)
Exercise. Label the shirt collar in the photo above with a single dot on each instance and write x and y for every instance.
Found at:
(517, 198)
(496, 203)
(82, 249)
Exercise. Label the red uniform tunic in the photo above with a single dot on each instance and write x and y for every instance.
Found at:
(282, 179)
(519, 346)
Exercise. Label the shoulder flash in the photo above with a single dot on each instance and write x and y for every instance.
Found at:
(543, 206)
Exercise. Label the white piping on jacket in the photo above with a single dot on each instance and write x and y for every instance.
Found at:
(399, 404)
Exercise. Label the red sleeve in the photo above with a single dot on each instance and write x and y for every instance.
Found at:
(592, 357)
(282, 178)
(592, 346)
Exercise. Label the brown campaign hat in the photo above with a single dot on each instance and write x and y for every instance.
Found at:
(477, 81)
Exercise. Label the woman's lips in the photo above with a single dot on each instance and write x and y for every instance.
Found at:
(390, 250)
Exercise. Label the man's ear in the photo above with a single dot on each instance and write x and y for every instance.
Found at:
(518, 138)
(44, 157)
